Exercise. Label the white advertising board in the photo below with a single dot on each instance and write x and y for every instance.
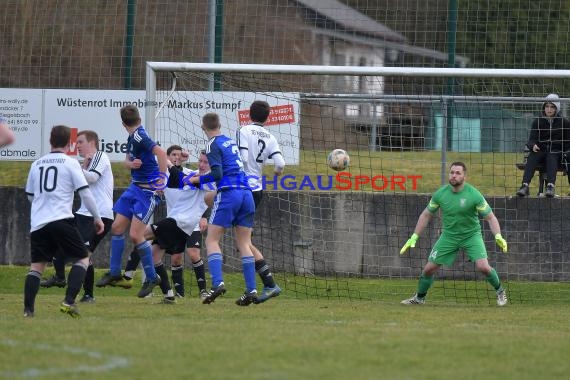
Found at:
(23, 110)
(179, 121)
(32, 114)
(97, 110)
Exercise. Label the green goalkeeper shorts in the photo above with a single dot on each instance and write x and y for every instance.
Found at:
(446, 249)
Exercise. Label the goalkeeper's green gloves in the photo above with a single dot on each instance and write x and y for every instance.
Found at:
(410, 243)
(501, 242)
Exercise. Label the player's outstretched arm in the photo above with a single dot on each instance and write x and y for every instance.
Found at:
(184, 156)
(422, 223)
(89, 202)
(134, 164)
(279, 164)
(501, 242)
(162, 159)
(410, 243)
(99, 226)
(496, 230)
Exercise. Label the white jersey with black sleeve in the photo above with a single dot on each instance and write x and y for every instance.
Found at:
(52, 180)
(171, 195)
(257, 145)
(189, 206)
(99, 175)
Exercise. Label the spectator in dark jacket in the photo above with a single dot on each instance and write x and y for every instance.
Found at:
(545, 142)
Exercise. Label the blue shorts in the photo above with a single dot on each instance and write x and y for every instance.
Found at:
(137, 201)
(233, 207)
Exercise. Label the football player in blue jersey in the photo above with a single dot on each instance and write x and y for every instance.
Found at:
(137, 204)
(233, 207)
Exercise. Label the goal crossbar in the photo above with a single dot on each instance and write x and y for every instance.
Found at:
(153, 67)
(357, 70)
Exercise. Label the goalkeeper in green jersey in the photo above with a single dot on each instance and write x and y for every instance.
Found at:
(461, 207)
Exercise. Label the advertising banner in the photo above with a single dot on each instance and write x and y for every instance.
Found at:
(31, 113)
(23, 110)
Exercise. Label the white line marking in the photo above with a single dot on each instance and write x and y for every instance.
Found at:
(111, 362)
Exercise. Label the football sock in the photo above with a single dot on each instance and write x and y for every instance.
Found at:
(145, 254)
(264, 273)
(215, 261)
(177, 278)
(31, 287)
(200, 273)
(132, 264)
(117, 247)
(89, 280)
(74, 282)
(424, 284)
(248, 267)
(493, 279)
(59, 266)
(164, 283)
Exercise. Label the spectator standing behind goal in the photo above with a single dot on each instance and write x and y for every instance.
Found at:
(6, 134)
(546, 144)
(99, 175)
(257, 145)
(137, 204)
(233, 207)
(461, 206)
(51, 183)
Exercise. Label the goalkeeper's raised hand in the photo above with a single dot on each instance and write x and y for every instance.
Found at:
(501, 242)
(411, 243)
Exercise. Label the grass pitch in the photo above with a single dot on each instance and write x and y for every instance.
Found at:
(123, 337)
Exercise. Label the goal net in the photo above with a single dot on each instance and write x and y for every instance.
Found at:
(329, 234)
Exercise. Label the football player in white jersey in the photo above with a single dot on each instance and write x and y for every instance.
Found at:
(257, 145)
(194, 242)
(6, 134)
(52, 181)
(98, 173)
(186, 206)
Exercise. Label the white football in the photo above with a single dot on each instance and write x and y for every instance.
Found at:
(338, 160)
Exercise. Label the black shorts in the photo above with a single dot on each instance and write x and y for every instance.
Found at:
(194, 240)
(59, 236)
(257, 196)
(86, 229)
(169, 236)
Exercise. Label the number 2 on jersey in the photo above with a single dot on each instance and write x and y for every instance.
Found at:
(262, 146)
